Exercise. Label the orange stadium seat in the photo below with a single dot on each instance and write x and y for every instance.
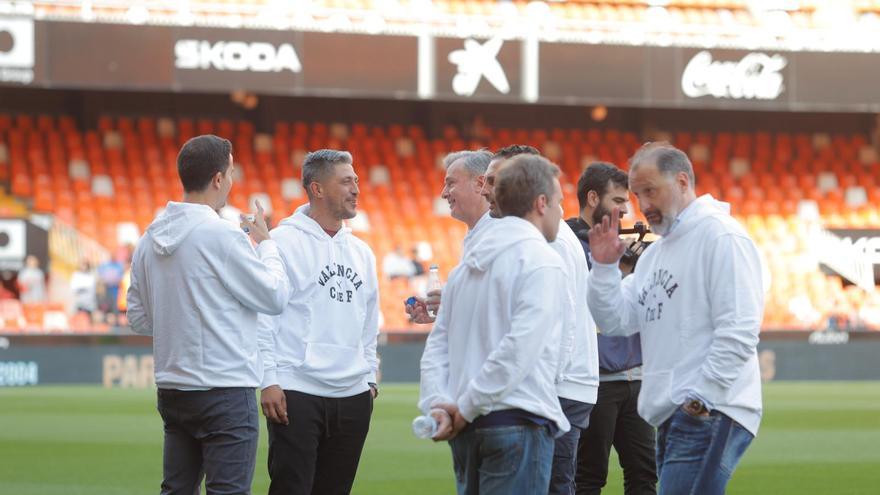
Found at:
(782, 169)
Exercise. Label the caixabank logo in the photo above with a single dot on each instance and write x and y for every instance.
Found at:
(16, 50)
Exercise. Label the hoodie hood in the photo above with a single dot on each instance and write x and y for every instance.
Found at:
(302, 221)
(702, 208)
(496, 237)
(175, 223)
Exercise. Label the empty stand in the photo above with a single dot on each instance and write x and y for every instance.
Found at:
(124, 170)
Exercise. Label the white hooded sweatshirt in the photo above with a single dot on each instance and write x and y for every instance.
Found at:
(578, 376)
(495, 344)
(696, 297)
(197, 285)
(324, 343)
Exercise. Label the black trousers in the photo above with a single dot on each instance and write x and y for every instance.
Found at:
(616, 421)
(318, 452)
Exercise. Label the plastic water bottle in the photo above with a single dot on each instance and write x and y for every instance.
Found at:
(433, 284)
(424, 427)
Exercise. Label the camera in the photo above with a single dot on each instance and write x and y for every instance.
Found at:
(636, 247)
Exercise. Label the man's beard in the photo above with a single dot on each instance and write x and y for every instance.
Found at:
(599, 213)
(666, 222)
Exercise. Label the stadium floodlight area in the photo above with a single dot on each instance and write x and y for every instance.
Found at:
(847, 26)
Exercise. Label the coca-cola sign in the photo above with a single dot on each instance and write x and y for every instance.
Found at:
(757, 76)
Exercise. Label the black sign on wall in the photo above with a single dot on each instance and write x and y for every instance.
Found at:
(574, 72)
(228, 59)
(737, 78)
(165, 58)
(481, 69)
(838, 79)
(360, 64)
(83, 55)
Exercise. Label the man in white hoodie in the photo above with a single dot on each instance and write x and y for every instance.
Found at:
(197, 284)
(319, 355)
(491, 359)
(577, 380)
(461, 189)
(696, 297)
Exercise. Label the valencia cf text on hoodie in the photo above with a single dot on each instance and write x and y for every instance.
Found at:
(697, 299)
(324, 342)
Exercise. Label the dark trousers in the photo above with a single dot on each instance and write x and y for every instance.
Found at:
(565, 447)
(616, 421)
(211, 433)
(318, 452)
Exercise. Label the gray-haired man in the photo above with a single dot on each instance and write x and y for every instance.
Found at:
(465, 172)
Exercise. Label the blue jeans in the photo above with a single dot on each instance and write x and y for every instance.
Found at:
(696, 455)
(209, 434)
(502, 460)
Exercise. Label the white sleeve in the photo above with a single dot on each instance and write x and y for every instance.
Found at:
(370, 335)
(139, 313)
(570, 326)
(267, 331)
(537, 301)
(434, 378)
(736, 297)
(256, 277)
(612, 300)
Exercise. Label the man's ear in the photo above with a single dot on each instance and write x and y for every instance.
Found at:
(316, 189)
(541, 204)
(683, 181)
(479, 182)
(217, 180)
(593, 199)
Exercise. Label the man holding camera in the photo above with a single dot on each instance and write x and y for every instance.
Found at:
(696, 298)
(615, 419)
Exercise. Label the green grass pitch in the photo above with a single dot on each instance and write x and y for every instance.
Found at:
(816, 438)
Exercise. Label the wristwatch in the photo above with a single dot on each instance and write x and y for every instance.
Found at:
(374, 387)
(695, 407)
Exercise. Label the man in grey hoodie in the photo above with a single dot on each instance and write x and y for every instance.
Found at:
(197, 284)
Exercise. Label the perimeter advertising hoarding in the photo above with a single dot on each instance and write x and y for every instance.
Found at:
(177, 58)
(31, 360)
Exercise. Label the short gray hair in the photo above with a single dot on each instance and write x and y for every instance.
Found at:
(318, 163)
(521, 180)
(476, 162)
(669, 160)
